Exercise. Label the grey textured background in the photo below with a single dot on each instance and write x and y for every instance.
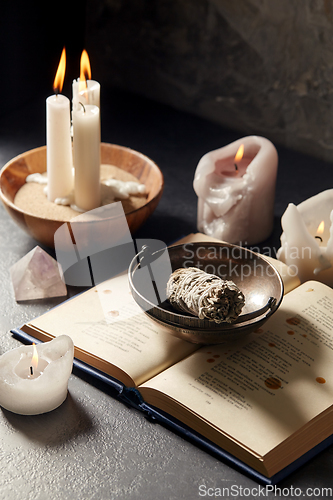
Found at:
(257, 66)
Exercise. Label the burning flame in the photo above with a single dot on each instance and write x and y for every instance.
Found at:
(240, 153)
(85, 71)
(60, 75)
(34, 359)
(321, 228)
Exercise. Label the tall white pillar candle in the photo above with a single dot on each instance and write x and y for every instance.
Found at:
(59, 148)
(86, 149)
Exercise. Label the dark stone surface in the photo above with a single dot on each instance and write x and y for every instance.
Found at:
(256, 66)
(93, 446)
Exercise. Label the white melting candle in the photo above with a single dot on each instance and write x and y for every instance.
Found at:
(91, 95)
(85, 90)
(58, 140)
(236, 193)
(307, 238)
(34, 380)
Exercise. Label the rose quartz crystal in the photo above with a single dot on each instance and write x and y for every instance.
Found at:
(37, 276)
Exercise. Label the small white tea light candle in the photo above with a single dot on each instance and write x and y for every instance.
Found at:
(58, 139)
(86, 155)
(34, 379)
(84, 89)
(236, 192)
(307, 238)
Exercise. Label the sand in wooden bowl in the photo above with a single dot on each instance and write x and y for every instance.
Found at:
(31, 198)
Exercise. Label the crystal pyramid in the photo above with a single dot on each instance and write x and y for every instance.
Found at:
(37, 276)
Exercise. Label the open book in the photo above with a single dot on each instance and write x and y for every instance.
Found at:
(265, 399)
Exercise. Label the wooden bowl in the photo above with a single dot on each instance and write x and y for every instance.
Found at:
(14, 173)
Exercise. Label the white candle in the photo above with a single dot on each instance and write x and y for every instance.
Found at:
(58, 140)
(237, 205)
(329, 248)
(86, 148)
(307, 238)
(84, 89)
(31, 387)
(90, 95)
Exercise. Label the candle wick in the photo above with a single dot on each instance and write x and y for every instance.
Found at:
(236, 167)
(84, 109)
(31, 370)
(319, 238)
(56, 91)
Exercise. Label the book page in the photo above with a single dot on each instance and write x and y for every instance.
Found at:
(289, 278)
(107, 323)
(262, 389)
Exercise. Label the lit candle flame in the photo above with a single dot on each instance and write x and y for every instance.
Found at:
(321, 228)
(34, 359)
(60, 74)
(85, 71)
(240, 153)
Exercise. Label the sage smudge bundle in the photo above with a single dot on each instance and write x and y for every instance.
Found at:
(207, 296)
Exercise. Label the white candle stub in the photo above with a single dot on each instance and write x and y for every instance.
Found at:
(90, 94)
(307, 238)
(236, 196)
(31, 384)
(85, 90)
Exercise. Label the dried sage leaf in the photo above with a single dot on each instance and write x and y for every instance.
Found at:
(207, 296)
